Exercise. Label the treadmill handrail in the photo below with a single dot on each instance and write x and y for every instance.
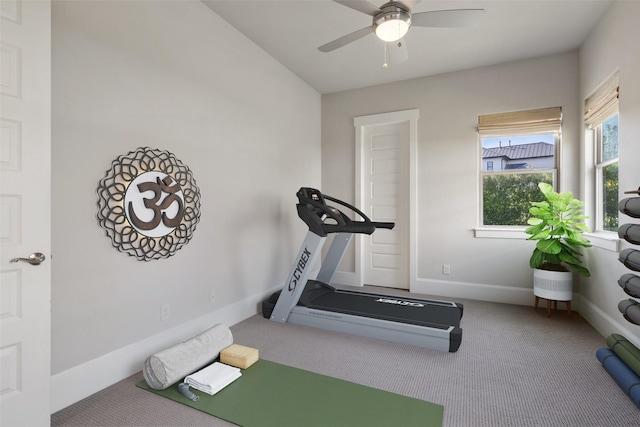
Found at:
(340, 219)
(353, 208)
(387, 225)
(344, 224)
(376, 224)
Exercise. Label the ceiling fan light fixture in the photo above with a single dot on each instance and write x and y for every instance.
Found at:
(392, 25)
(392, 30)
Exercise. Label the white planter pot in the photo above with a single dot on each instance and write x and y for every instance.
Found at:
(553, 285)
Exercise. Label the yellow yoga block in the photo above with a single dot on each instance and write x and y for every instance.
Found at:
(239, 356)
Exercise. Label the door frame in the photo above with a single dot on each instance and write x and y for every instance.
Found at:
(361, 123)
(26, 109)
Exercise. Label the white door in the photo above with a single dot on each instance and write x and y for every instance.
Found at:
(25, 213)
(385, 171)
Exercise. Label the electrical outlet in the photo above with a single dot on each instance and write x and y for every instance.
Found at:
(446, 269)
(212, 297)
(165, 311)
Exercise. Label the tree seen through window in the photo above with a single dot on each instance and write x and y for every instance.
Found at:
(511, 169)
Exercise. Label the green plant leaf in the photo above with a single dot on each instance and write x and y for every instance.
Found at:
(541, 213)
(558, 231)
(569, 259)
(537, 258)
(581, 270)
(542, 235)
(534, 230)
(545, 188)
(549, 246)
(570, 250)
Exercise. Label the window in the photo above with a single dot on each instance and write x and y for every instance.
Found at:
(518, 150)
(602, 121)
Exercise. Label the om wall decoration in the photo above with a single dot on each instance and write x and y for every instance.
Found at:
(148, 204)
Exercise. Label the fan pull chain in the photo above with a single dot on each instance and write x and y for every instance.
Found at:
(386, 54)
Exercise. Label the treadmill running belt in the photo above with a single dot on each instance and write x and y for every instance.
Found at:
(385, 307)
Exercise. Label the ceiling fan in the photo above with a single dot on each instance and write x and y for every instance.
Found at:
(392, 20)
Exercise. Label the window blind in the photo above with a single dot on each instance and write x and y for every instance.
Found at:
(603, 103)
(543, 120)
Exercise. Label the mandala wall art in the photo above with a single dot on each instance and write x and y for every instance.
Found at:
(148, 204)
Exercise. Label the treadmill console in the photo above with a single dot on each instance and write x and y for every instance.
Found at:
(306, 194)
(313, 210)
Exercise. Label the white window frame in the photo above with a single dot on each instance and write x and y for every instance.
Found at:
(598, 108)
(599, 166)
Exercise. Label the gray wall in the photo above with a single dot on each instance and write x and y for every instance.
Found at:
(172, 76)
(448, 162)
(613, 46)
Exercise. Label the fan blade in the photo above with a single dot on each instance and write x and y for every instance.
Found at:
(360, 6)
(447, 18)
(351, 37)
(411, 4)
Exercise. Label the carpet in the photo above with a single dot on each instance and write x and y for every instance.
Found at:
(270, 394)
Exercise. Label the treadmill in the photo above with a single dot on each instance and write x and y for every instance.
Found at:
(314, 302)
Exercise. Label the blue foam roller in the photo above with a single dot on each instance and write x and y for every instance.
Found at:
(628, 381)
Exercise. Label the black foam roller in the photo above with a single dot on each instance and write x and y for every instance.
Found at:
(630, 309)
(630, 233)
(631, 284)
(630, 206)
(630, 258)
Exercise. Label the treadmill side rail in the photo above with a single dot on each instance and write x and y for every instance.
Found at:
(444, 338)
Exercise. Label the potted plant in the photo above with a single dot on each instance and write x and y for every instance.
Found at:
(557, 226)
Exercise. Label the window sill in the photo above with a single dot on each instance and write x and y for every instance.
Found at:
(500, 233)
(604, 240)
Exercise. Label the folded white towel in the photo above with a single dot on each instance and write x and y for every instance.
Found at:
(213, 378)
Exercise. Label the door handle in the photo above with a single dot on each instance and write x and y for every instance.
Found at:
(34, 259)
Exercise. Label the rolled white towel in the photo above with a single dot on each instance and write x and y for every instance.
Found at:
(213, 378)
(171, 365)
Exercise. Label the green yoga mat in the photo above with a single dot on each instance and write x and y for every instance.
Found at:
(626, 351)
(270, 394)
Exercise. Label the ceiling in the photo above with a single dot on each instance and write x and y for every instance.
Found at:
(510, 30)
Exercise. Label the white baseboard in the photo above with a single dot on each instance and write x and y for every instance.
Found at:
(345, 278)
(603, 323)
(474, 291)
(463, 290)
(73, 385)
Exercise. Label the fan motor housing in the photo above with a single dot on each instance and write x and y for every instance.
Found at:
(392, 11)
